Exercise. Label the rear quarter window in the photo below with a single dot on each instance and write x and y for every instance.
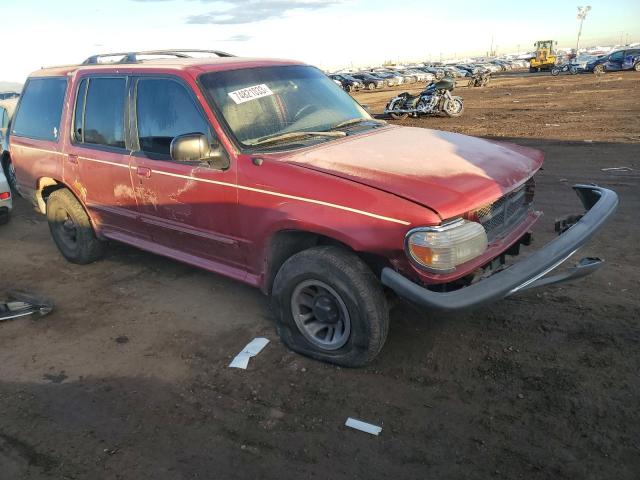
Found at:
(40, 109)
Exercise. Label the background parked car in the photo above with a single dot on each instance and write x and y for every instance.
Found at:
(408, 78)
(390, 79)
(628, 59)
(369, 80)
(7, 95)
(7, 107)
(347, 81)
(397, 78)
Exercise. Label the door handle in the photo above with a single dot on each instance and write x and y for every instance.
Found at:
(143, 172)
(73, 159)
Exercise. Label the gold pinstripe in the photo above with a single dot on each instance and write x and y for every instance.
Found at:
(244, 187)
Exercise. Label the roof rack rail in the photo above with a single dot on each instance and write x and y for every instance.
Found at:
(132, 57)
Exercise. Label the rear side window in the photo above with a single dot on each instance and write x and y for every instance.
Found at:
(99, 114)
(40, 109)
(4, 118)
(165, 109)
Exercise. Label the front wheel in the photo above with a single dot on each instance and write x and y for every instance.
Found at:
(573, 70)
(598, 69)
(453, 107)
(371, 86)
(636, 67)
(71, 228)
(330, 306)
(555, 71)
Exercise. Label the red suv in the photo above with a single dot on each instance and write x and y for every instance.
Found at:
(267, 172)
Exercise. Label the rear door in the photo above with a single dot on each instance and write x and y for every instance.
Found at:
(97, 160)
(614, 62)
(186, 206)
(630, 58)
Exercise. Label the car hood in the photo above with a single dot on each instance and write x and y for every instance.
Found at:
(446, 172)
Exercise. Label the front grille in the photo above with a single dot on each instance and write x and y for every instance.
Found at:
(500, 217)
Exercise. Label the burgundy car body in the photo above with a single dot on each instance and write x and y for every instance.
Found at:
(365, 191)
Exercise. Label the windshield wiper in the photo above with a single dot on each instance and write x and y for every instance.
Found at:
(293, 135)
(353, 121)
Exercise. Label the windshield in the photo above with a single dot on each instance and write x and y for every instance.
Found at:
(263, 102)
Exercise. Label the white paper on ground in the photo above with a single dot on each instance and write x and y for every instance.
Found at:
(252, 348)
(363, 426)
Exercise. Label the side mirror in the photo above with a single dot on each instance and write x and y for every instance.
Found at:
(195, 147)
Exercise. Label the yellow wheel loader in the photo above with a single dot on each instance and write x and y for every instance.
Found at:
(545, 57)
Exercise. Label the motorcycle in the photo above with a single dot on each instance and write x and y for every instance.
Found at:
(565, 67)
(479, 79)
(433, 100)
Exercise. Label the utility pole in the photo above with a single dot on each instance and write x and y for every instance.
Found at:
(582, 14)
(491, 49)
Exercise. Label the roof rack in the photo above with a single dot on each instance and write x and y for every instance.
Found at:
(132, 57)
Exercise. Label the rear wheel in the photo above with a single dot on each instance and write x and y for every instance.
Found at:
(636, 67)
(330, 306)
(71, 228)
(398, 116)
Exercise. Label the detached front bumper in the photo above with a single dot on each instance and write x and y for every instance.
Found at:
(531, 272)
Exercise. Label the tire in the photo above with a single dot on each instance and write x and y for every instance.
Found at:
(334, 275)
(71, 229)
(573, 70)
(599, 69)
(636, 67)
(371, 86)
(453, 107)
(349, 88)
(555, 71)
(399, 116)
(532, 70)
(10, 173)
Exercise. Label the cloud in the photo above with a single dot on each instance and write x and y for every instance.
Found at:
(251, 11)
(238, 38)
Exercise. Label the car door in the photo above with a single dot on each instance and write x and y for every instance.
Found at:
(629, 59)
(186, 206)
(97, 159)
(614, 62)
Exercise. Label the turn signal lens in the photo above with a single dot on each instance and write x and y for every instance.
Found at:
(5, 195)
(443, 248)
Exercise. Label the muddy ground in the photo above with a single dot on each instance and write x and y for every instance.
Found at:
(128, 378)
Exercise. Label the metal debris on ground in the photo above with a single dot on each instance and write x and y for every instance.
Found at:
(253, 348)
(21, 304)
(363, 426)
(617, 169)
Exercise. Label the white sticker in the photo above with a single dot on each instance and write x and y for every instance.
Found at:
(250, 93)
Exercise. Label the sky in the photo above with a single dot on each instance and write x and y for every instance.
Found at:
(330, 34)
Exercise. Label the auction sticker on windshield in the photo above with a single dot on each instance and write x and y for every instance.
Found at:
(250, 93)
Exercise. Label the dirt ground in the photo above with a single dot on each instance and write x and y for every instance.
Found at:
(128, 378)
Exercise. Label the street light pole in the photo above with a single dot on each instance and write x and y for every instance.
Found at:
(582, 14)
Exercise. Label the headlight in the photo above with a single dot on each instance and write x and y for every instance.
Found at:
(442, 248)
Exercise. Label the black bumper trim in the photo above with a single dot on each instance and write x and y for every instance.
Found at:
(600, 204)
